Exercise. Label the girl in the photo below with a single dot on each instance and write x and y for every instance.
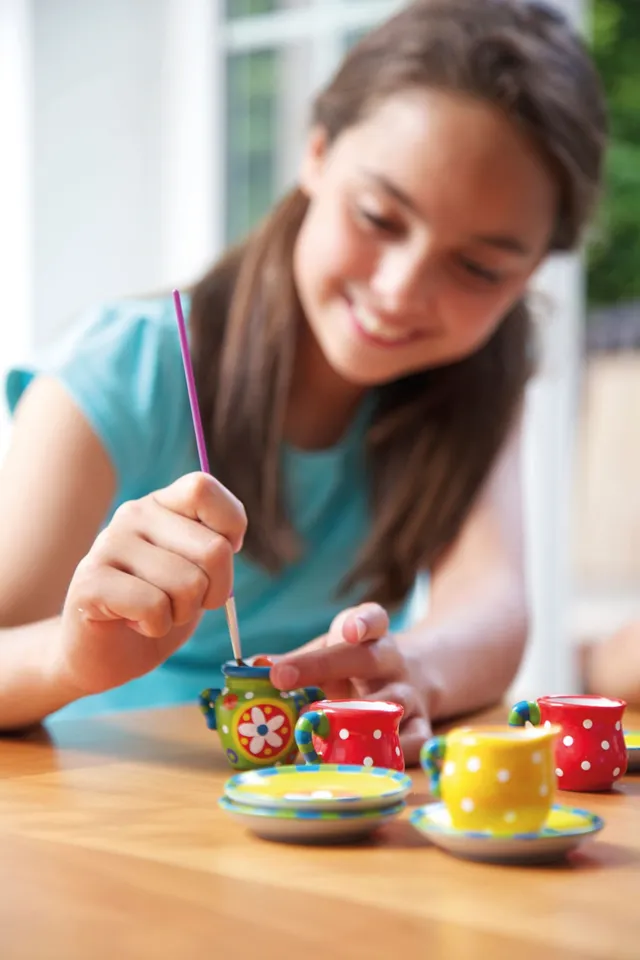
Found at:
(361, 360)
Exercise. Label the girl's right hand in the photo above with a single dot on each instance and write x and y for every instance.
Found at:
(142, 588)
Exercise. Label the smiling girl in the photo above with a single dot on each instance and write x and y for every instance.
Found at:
(361, 360)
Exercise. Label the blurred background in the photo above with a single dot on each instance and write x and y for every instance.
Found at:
(141, 136)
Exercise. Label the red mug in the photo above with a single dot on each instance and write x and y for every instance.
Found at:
(590, 752)
(361, 732)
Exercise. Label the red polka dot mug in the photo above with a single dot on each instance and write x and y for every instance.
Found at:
(590, 753)
(361, 732)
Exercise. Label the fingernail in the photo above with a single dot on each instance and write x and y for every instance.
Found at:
(286, 675)
(361, 628)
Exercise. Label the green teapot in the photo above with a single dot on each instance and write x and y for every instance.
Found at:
(255, 721)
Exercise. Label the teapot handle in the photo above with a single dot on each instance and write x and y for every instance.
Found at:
(207, 701)
(524, 711)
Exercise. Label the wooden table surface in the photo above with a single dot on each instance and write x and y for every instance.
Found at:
(112, 846)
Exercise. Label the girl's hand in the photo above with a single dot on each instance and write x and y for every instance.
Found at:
(141, 590)
(359, 658)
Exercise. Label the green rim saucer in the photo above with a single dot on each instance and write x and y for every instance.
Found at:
(319, 786)
(565, 829)
(309, 826)
(632, 741)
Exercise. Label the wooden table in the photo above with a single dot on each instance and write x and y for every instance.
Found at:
(112, 846)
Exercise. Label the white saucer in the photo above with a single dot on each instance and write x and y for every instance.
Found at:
(309, 826)
(565, 829)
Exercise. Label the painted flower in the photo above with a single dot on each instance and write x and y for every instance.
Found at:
(262, 730)
(230, 701)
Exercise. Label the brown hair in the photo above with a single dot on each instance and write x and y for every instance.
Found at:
(435, 434)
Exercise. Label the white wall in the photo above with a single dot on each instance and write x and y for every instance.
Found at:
(97, 124)
(16, 313)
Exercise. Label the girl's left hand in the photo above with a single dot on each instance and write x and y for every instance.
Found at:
(358, 657)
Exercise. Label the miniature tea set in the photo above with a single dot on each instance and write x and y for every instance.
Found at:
(494, 786)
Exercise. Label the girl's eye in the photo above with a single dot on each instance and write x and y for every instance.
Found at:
(379, 222)
(476, 270)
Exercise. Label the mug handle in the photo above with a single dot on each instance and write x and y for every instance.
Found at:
(431, 757)
(313, 721)
(524, 711)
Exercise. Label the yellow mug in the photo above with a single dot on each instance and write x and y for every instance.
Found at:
(495, 779)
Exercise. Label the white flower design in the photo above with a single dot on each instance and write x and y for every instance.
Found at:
(261, 730)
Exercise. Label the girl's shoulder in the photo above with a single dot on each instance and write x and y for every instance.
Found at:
(121, 364)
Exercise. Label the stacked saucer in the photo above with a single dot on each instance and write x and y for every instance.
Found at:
(315, 803)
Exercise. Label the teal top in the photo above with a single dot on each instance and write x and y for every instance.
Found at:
(123, 368)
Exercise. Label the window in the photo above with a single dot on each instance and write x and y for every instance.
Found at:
(277, 54)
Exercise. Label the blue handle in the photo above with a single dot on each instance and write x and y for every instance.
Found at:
(207, 701)
(524, 711)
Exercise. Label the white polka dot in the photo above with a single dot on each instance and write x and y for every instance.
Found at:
(225, 729)
(449, 768)
(618, 724)
(368, 761)
(284, 695)
(510, 816)
(344, 734)
(469, 741)
(467, 805)
(249, 695)
(568, 741)
(503, 776)
(547, 724)
(398, 751)
(605, 744)
(616, 771)
(473, 764)
(544, 790)
(559, 772)
(587, 724)
(225, 691)
(536, 757)
(585, 765)
(377, 734)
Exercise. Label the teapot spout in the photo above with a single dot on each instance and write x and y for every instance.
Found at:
(207, 701)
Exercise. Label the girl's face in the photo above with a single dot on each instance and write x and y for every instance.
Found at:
(425, 222)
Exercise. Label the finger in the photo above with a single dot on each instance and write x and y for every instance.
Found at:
(376, 660)
(414, 733)
(188, 538)
(368, 621)
(414, 727)
(200, 497)
(104, 593)
(189, 588)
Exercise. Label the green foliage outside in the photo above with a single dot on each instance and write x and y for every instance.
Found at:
(614, 256)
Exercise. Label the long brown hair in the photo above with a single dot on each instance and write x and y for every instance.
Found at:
(435, 434)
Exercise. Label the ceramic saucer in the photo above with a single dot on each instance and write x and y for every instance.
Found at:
(632, 740)
(566, 827)
(321, 786)
(309, 826)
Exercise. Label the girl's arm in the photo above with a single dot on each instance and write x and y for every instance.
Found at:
(465, 652)
(612, 666)
(468, 648)
(56, 484)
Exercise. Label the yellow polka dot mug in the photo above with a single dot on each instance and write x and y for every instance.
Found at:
(495, 779)
(254, 720)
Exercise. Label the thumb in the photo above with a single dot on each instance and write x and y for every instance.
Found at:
(368, 621)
